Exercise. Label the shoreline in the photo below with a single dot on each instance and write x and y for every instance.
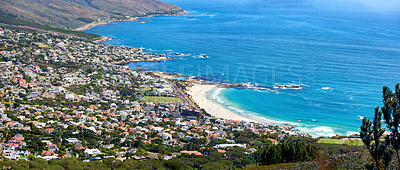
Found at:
(102, 39)
(154, 59)
(93, 24)
(199, 94)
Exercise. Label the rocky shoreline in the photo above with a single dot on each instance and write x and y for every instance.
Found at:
(93, 24)
(155, 59)
(197, 93)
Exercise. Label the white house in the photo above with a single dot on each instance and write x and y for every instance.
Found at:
(229, 145)
(91, 152)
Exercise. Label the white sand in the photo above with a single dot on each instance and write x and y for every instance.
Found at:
(199, 95)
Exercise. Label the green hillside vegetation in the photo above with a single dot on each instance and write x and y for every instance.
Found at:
(10, 22)
(70, 14)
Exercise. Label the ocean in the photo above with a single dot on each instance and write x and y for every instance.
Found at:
(342, 52)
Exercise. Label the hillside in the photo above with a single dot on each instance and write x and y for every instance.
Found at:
(11, 23)
(71, 14)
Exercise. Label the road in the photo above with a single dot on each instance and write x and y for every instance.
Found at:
(181, 95)
(2, 143)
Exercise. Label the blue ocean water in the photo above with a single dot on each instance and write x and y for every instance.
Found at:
(341, 51)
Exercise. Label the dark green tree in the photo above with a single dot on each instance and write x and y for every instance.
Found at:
(264, 157)
(371, 133)
(391, 114)
(174, 164)
(287, 152)
(112, 163)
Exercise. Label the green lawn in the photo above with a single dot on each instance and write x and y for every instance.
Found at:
(147, 89)
(156, 99)
(41, 45)
(340, 141)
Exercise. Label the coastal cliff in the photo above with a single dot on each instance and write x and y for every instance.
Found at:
(73, 14)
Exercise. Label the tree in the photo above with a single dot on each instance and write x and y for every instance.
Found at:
(264, 158)
(222, 164)
(112, 163)
(92, 142)
(391, 115)
(31, 157)
(370, 133)
(272, 156)
(174, 164)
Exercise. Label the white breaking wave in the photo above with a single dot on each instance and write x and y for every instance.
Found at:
(304, 85)
(215, 95)
(351, 133)
(236, 109)
(326, 88)
(318, 131)
(270, 121)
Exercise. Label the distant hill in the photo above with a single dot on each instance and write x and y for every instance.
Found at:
(71, 14)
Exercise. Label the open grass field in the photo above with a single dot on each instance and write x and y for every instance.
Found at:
(156, 99)
(147, 89)
(41, 45)
(341, 141)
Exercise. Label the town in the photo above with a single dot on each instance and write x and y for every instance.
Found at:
(65, 97)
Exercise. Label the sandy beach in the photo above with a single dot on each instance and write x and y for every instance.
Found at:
(103, 38)
(93, 24)
(199, 95)
(90, 25)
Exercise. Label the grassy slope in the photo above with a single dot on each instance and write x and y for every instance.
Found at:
(340, 141)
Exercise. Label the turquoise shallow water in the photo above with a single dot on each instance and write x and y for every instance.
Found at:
(342, 52)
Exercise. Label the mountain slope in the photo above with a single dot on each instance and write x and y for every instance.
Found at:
(11, 23)
(71, 14)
